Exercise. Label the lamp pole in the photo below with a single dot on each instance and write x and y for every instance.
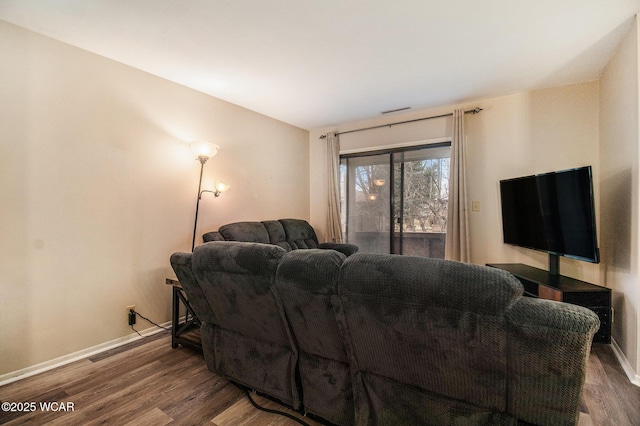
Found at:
(203, 159)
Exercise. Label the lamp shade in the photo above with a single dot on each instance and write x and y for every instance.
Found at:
(204, 149)
(221, 187)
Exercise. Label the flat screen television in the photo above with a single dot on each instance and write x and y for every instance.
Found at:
(551, 212)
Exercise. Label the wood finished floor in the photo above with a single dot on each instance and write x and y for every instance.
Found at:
(149, 383)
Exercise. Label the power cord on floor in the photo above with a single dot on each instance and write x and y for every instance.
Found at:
(268, 410)
(148, 320)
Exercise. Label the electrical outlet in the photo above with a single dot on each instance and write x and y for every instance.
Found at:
(131, 314)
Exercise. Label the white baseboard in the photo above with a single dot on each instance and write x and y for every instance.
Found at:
(23, 373)
(624, 362)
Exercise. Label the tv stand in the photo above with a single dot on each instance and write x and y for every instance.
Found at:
(554, 264)
(541, 284)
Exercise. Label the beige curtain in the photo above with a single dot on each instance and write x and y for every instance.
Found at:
(457, 245)
(334, 228)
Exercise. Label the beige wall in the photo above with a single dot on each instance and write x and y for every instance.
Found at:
(594, 123)
(620, 162)
(522, 134)
(514, 135)
(98, 189)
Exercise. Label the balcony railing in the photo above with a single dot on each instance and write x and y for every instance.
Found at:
(424, 244)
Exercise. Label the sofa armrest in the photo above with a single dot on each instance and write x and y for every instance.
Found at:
(549, 343)
(212, 236)
(346, 249)
(181, 264)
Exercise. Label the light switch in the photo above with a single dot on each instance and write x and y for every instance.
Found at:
(475, 206)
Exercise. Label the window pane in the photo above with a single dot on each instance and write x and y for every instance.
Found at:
(401, 210)
(367, 189)
(421, 201)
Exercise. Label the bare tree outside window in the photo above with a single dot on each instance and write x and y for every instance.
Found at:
(426, 195)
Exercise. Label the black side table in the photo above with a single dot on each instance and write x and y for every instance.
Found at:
(186, 333)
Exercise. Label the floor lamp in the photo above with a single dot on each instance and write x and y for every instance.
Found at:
(204, 151)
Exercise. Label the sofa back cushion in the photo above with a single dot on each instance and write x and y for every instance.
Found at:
(435, 325)
(290, 234)
(276, 233)
(306, 281)
(299, 234)
(250, 232)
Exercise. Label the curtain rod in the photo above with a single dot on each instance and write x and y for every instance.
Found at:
(471, 111)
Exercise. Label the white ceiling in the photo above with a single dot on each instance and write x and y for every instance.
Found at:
(317, 63)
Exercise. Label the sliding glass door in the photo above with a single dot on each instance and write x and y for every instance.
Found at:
(395, 201)
(366, 194)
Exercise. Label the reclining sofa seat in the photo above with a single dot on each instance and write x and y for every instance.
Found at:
(290, 234)
(459, 343)
(306, 281)
(245, 336)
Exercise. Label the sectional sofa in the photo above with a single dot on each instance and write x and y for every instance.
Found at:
(290, 234)
(384, 339)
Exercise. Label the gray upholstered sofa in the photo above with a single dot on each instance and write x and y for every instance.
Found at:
(384, 339)
(290, 234)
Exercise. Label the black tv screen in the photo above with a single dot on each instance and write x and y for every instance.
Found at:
(552, 212)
